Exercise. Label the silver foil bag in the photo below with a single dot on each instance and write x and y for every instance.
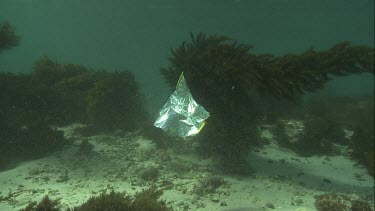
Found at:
(181, 115)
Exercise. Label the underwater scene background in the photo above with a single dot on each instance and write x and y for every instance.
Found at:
(289, 86)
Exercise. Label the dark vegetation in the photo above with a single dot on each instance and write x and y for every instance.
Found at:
(146, 200)
(363, 141)
(208, 185)
(106, 100)
(317, 137)
(45, 205)
(240, 89)
(234, 85)
(325, 120)
(25, 133)
(32, 105)
(336, 202)
(8, 36)
(150, 174)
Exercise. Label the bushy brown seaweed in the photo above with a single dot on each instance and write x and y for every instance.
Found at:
(228, 80)
(57, 94)
(338, 202)
(45, 205)
(145, 200)
(8, 36)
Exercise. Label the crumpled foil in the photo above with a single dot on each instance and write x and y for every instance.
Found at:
(181, 115)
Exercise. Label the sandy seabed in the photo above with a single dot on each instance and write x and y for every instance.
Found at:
(281, 180)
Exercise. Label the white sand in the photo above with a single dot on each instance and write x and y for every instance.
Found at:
(282, 179)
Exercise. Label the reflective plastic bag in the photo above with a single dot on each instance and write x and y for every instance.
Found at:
(181, 115)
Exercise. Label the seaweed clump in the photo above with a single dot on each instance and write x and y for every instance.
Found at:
(145, 200)
(59, 94)
(111, 201)
(25, 121)
(106, 100)
(335, 202)
(229, 80)
(363, 140)
(54, 94)
(8, 36)
(26, 108)
(314, 136)
(45, 205)
(330, 123)
(208, 185)
(150, 173)
(115, 102)
(85, 148)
